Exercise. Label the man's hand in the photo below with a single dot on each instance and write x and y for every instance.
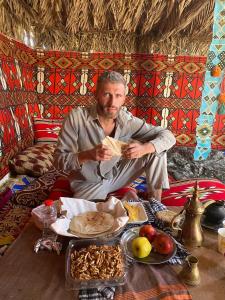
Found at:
(136, 150)
(99, 153)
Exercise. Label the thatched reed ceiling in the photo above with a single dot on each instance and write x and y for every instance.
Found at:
(165, 26)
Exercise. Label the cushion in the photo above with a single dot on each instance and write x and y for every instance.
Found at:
(46, 130)
(209, 189)
(39, 189)
(61, 188)
(33, 161)
(179, 191)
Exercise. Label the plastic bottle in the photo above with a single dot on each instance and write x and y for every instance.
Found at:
(49, 215)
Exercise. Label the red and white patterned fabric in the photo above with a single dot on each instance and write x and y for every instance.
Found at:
(46, 130)
(180, 191)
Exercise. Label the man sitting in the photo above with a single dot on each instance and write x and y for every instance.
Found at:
(94, 170)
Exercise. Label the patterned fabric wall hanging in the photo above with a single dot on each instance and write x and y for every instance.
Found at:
(17, 99)
(207, 133)
(164, 90)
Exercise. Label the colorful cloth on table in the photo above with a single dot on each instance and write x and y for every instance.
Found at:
(167, 291)
(143, 281)
(151, 282)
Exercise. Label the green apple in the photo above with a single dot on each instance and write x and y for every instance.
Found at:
(141, 247)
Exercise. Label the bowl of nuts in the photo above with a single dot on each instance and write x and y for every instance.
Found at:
(95, 263)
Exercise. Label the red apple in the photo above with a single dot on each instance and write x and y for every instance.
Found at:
(163, 244)
(148, 231)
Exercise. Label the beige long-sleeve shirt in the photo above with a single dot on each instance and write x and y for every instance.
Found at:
(82, 131)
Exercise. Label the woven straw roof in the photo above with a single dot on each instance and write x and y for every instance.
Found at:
(163, 26)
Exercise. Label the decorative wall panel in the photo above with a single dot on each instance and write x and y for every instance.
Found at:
(17, 99)
(210, 130)
(164, 90)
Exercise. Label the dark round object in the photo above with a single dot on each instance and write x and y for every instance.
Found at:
(215, 212)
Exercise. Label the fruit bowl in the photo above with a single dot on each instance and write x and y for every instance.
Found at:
(153, 257)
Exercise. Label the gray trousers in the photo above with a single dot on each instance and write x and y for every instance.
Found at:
(155, 168)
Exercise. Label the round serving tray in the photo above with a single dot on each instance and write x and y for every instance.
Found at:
(153, 257)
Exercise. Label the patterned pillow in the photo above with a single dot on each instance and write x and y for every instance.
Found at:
(180, 191)
(46, 130)
(33, 161)
(39, 189)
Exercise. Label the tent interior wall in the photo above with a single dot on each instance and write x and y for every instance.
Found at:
(165, 90)
(159, 46)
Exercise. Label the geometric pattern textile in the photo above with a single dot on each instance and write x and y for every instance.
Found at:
(164, 90)
(39, 189)
(216, 56)
(46, 130)
(34, 161)
(180, 191)
(13, 218)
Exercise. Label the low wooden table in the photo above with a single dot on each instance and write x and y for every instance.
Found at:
(28, 276)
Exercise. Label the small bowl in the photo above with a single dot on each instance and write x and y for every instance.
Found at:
(78, 284)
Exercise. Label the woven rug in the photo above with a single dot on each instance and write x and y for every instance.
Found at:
(13, 218)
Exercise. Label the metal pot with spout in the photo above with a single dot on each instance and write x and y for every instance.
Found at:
(191, 234)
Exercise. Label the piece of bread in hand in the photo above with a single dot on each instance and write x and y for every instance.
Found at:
(114, 145)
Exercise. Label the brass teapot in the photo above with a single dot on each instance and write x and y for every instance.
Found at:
(191, 234)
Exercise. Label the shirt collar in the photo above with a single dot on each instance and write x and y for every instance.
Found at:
(93, 115)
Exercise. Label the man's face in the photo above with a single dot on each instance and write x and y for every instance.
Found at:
(110, 98)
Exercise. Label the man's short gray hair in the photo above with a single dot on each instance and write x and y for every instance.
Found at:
(111, 76)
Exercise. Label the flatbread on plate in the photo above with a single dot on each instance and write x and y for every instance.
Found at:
(114, 145)
(91, 222)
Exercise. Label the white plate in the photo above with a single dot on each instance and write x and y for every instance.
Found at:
(61, 227)
(142, 216)
(74, 206)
